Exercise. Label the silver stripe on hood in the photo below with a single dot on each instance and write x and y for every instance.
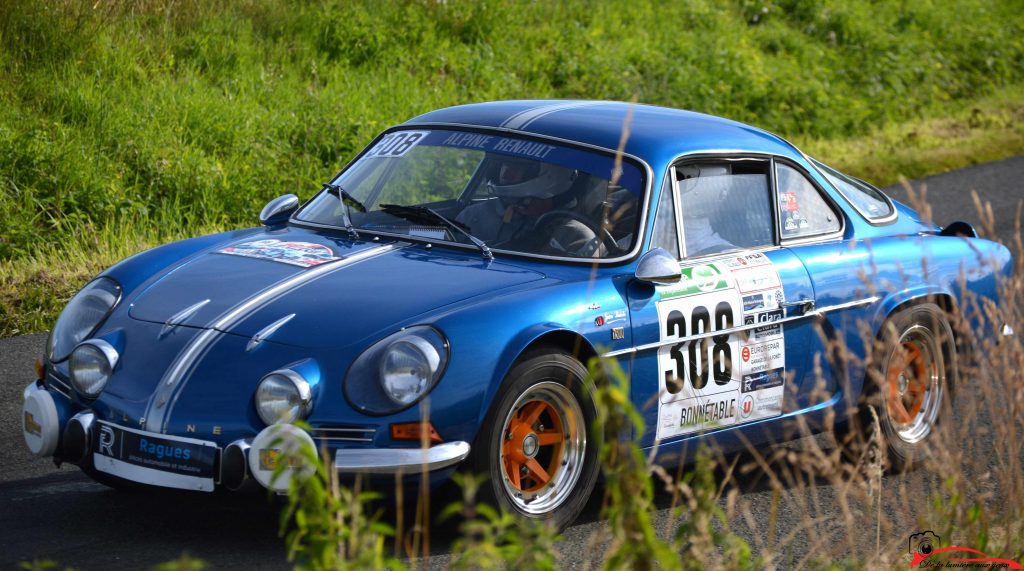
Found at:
(161, 404)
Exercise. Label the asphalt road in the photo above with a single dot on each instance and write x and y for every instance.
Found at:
(59, 514)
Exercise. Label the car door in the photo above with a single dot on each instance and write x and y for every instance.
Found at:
(712, 351)
(811, 225)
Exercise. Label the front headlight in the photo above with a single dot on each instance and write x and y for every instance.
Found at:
(283, 396)
(407, 369)
(91, 365)
(397, 371)
(82, 316)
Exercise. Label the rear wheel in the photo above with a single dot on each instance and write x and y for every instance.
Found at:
(535, 446)
(910, 384)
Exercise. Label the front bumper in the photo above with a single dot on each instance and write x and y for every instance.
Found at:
(400, 460)
(51, 428)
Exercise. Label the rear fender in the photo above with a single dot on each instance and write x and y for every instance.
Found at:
(917, 294)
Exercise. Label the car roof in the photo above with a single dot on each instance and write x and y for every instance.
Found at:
(656, 134)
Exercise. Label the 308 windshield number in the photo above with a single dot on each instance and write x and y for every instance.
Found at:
(397, 144)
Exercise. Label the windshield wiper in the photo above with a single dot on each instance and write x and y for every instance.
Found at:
(427, 214)
(347, 201)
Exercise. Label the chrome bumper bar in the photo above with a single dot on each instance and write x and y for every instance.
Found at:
(399, 460)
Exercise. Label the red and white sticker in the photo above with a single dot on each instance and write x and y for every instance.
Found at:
(304, 254)
(758, 278)
(788, 200)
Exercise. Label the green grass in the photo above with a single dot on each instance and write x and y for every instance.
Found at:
(987, 129)
(147, 120)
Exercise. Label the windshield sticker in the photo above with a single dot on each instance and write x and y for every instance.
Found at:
(707, 381)
(304, 254)
(397, 144)
(630, 177)
(499, 144)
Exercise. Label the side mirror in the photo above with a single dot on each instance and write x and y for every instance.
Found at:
(279, 210)
(658, 267)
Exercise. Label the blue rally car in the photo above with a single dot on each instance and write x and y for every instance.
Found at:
(433, 307)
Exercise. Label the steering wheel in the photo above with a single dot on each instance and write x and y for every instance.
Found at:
(605, 237)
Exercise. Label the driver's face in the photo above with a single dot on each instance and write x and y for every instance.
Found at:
(512, 173)
(534, 207)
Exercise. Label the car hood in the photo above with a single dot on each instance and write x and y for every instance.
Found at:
(318, 290)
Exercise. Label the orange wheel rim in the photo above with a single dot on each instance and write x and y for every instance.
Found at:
(533, 445)
(906, 381)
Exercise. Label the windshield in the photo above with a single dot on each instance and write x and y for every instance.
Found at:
(513, 194)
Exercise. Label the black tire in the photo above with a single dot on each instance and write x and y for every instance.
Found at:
(550, 386)
(912, 371)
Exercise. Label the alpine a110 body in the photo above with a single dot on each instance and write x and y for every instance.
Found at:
(433, 308)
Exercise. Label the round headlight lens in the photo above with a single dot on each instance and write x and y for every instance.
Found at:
(91, 365)
(407, 369)
(83, 314)
(396, 372)
(283, 396)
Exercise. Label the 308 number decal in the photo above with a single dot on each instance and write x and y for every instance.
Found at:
(699, 360)
(397, 144)
(721, 352)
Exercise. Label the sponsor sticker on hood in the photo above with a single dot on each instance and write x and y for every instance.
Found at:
(304, 254)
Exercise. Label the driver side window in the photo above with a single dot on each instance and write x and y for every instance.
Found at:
(725, 205)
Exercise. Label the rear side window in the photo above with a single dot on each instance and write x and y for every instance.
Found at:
(802, 210)
(725, 205)
(868, 200)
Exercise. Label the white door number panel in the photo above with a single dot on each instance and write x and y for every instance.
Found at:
(720, 380)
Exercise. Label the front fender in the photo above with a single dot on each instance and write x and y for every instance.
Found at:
(488, 337)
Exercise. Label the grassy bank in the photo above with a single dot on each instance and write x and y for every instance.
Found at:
(987, 129)
(126, 124)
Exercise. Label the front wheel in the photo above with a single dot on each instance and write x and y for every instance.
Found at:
(536, 447)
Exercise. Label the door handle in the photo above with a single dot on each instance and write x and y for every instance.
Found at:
(804, 306)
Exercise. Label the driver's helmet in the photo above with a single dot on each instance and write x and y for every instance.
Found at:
(519, 179)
